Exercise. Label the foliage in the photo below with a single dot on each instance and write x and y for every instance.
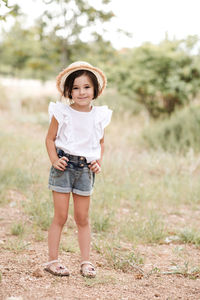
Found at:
(42, 50)
(71, 20)
(11, 10)
(179, 133)
(161, 77)
(27, 53)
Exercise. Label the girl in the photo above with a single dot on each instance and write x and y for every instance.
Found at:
(75, 145)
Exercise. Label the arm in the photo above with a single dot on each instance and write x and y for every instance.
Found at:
(96, 164)
(58, 163)
(99, 161)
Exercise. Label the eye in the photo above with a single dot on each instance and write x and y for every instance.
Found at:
(87, 87)
(74, 88)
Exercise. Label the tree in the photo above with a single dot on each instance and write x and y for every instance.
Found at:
(30, 52)
(9, 10)
(70, 20)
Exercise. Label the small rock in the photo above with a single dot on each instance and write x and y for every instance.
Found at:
(172, 238)
(99, 264)
(157, 295)
(12, 204)
(138, 276)
(38, 273)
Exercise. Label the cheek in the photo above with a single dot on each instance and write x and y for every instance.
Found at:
(92, 92)
(73, 93)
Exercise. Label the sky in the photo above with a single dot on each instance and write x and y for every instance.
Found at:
(150, 20)
(146, 20)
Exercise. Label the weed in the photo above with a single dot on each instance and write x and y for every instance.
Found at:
(38, 234)
(16, 245)
(149, 229)
(123, 260)
(101, 222)
(190, 236)
(99, 280)
(17, 229)
(185, 270)
(69, 247)
(41, 212)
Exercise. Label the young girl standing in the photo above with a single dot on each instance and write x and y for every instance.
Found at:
(75, 144)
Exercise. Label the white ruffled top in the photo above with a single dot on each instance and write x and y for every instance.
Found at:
(79, 133)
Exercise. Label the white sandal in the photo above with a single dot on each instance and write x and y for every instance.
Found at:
(87, 269)
(59, 270)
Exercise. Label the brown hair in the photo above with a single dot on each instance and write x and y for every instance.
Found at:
(69, 82)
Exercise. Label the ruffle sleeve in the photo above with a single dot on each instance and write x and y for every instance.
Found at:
(102, 119)
(60, 112)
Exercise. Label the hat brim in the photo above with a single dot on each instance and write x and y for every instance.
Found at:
(101, 78)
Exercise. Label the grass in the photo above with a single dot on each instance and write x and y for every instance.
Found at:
(17, 229)
(16, 245)
(100, 279)
(190, 235)
(193, 272)
(132, 195)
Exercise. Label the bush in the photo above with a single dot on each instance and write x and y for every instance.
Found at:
(178, 133)
(161, 77)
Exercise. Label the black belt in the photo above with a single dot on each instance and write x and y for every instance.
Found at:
(81, 160)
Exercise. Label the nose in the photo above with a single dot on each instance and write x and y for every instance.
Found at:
(82, 91)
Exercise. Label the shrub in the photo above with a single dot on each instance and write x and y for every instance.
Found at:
(161, 77)
(178, 133)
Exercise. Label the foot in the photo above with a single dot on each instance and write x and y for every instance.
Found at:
(88, 269)
(56, 268)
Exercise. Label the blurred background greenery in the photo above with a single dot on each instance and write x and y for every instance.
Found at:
(161, 77)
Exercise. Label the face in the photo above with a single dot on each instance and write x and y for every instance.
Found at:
(82, 92)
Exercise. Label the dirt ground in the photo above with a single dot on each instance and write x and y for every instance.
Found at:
(165, 273)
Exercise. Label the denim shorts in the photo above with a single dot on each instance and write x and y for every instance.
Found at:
(77, 177)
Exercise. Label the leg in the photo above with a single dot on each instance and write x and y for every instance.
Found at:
(61, 206)
(81, 216)
(81, 212)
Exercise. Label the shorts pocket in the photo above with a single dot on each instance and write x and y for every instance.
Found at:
(56, 173)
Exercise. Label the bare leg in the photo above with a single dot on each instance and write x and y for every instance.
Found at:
(81, 216)
(61, 206)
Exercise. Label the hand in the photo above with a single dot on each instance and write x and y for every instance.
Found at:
(95, 167)
(61, 163)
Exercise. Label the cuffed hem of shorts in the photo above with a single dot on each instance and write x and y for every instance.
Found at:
(82, 193)
(59, 189)
(69, 190)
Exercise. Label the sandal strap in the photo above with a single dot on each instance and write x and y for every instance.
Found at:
(50, 262)
(85, 262)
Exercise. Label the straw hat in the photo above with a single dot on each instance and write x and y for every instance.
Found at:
(80, 65)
